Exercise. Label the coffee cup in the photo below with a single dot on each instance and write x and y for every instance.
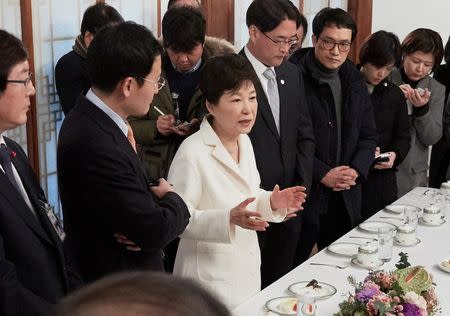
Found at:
(406, 234)
(368, 255)
(432, 215)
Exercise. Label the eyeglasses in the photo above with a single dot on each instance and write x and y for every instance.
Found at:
(25, 82)
(282, 43)
(343, 46)
(159, 83)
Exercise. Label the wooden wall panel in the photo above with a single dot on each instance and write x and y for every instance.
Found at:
(219, 16)
(361, 12)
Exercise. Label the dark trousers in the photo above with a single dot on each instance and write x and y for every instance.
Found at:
(333, 225)
(278, 245)
(170, 253)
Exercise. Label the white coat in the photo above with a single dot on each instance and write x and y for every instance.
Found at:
(222, 257)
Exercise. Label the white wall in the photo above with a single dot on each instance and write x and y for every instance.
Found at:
(403, 16)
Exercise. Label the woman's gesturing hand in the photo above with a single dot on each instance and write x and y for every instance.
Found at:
(247, 219)
(291, 198)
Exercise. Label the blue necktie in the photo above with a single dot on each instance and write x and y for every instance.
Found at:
(5, 160)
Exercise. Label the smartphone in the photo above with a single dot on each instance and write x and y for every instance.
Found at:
(154, 183)
(382, 158)
(421, 91)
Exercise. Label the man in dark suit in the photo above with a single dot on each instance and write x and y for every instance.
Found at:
(33, 269)
(102, 182)
(282, 136)
(344, 131)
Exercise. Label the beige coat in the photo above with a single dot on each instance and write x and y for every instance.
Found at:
(222, 257)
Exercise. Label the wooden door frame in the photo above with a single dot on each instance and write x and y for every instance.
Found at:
(361, 12)
(32, 122)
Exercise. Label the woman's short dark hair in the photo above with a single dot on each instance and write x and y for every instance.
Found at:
(447, 51)
(381, 49)
(141, 293)
(97, 16)
(174, 2)
(225, 73)
(328, 17)
(266, 15)
(426, 41)
(12, 52)
(183, 28)
(119, 51)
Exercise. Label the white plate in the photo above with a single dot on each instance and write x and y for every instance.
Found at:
(356, 262)
(422, 222)
(397, 243)
(347, 249)
(326, 290)
(372, 226)
(444, 268)
(399, 208)
(282, 305)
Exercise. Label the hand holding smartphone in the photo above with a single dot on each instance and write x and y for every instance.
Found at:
(382, 158)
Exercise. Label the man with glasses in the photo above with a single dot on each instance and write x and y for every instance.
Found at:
(344, 131)
(34, 273)
(282, 136)
(105, 193)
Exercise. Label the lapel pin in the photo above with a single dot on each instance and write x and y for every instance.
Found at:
(13, 154)
(282, 81)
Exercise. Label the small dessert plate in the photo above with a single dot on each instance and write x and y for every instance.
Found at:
(403, 244)
(424, 223)
(356, 262)
(395, 208)
(325, 291)
(372, 226)
(445, 265)
(347, 249)
(285, 305)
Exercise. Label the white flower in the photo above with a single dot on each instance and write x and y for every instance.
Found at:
(413, 298)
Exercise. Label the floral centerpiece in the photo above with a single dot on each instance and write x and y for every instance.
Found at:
(407, 291)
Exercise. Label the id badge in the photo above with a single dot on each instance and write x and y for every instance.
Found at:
(56, 223)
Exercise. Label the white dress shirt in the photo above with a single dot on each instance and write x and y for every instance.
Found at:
(120, 122)
(259, 68)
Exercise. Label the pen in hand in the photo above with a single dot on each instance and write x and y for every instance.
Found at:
(158, 110)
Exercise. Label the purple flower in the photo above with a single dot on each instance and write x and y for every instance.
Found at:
(411, 310)
(367, 293)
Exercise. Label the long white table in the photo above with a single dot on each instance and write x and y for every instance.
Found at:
(434, 248)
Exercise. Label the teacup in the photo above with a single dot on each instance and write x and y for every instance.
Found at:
(368, 255)
(445, 187)
(432, 215)
(406, 234)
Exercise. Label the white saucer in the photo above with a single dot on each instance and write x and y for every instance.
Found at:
(357, 263)
(282, 305)
(398, 208)
(347, 249)
(372, 226)
(422, 222)
(397, 243)
(444, 268)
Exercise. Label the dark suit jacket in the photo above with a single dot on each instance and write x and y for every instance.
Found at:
(71, 80)
(104, 190)
(285, 159)
(359, 136)
(33, 273)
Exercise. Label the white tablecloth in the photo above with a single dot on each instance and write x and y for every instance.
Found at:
(433, 249)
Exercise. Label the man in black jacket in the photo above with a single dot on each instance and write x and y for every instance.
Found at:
(103, 186)
(34, 274)
(71, 75)
(344, 131)
(282, 136)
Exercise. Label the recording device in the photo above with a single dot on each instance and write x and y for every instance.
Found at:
(382, 158)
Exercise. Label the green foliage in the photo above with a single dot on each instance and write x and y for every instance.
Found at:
(403, 262)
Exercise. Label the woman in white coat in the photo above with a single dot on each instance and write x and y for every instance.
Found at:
(214, 170)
